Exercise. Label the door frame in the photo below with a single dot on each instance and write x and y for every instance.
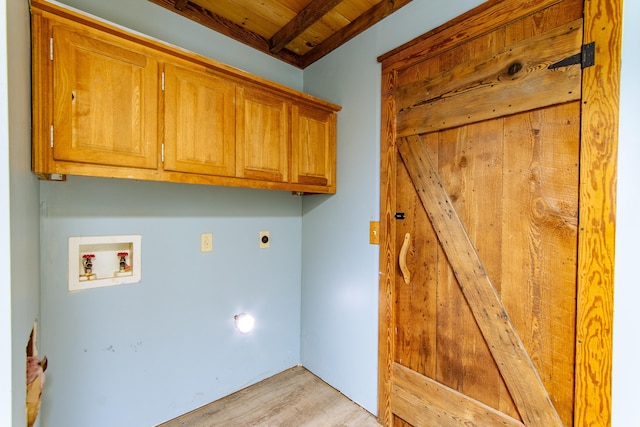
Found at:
(597, 194)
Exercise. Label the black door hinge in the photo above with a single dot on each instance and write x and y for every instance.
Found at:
(586, 57)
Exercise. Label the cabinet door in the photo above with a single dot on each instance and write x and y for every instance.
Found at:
(313, 146)
(105, 100)
(262, 135)
(199, 121)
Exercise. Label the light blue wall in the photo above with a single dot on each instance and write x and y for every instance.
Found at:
(6, 366)
(19, 243)
(626, 335)
(135, 355)
(339, 266)
(141, 354)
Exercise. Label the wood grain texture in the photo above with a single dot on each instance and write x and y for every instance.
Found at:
(228, 28)
(593, 371)
(596, 247)
(511, 80)
(199, 121)
(310, 14)
(294, 397)
(136, 133)
(41, 92)
(367, 19)
(519, 374)
(540, 205)
(470, 167)
(298, 32)
(105, 96)
(262, 135)
(313, 146)
(545, 327)
(415, 304)
(387, 260)
(425, 402)
(468, 26)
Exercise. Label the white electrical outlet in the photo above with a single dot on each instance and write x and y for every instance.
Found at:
(206, 242)
(265, 240)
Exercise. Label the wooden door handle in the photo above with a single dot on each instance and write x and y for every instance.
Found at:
(403, 258)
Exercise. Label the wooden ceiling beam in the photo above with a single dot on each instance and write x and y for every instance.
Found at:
(358, 25)
(228, 28)
(181, 4)
(299, 24)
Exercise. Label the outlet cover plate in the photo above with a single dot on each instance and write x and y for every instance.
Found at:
(206, 242)
(265, 240)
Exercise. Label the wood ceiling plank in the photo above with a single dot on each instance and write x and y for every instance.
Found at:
(228, 28)
(264, 17)
(310, 14)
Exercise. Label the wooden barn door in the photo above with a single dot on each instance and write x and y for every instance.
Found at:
(478, 325)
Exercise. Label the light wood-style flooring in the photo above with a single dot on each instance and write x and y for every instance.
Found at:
(294, 397)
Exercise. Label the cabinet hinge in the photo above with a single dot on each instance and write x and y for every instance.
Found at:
(163, 81)
(51, 136)
(50, 48)
(586, 58)
(162, 155)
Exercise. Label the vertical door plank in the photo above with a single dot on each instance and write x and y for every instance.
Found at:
(416, 302)
(471, 170)
(540, 229)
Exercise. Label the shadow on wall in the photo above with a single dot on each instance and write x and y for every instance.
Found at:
(100, 197)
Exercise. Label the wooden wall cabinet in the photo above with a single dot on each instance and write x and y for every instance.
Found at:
(110, 103)
(263, 135)
(104, 100)
(199, 122)
(313, 146)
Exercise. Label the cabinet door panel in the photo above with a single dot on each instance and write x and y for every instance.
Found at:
(199, 122)
(105, 100)
(313, 149)
(263, 135)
